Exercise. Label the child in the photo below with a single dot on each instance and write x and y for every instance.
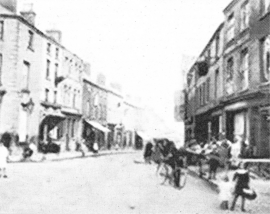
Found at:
(3, 159)
(225, 192)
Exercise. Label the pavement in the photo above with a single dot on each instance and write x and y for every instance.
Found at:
(260, 185)
(39, 157)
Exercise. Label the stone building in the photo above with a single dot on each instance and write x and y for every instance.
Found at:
(41, 88)
(95, 113)
(229, 91)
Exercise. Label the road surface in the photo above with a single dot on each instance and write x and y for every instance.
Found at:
(106, 184)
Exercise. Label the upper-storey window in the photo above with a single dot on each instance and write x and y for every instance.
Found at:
(244, 70)
(229, 76)
(57, 53)
(48, 65)
(25, 75)
(230, 27)
(1, 65)
(30, 39)
(266, 59)
(1, 30)
(217, 45)
(244, 16)
(49, 48)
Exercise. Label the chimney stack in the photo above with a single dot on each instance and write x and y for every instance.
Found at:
(11, 5)
(56, 35)
(28, 14)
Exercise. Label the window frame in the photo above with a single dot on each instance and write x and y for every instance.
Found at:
(26, 83)
(48, 67)
(230, 32)
(49, 47)
(47, 92)
(1, 67)
(244, 66)
(30, 40)
(2, 29)
(245, 15)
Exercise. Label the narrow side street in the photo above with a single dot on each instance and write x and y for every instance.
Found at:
(106, 184)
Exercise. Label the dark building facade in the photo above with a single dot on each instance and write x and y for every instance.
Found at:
(228, 87)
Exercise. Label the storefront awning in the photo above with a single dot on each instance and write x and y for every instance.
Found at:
(52, 119)
(98, 126)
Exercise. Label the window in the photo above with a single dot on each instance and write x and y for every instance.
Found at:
(74, 98)
(244, 16)
(25, 75)
(216, 82)
(56, 53)
(230, 68)
(55, 72)
(1, 30)
(55, 97)
(229, 76)
(47, 95)
(244, 70)
(266, 59)
(230, 27)
(31, 39)
(1, 65)
(48, 48)
(48, 69)
(207, 90)
(217, 45)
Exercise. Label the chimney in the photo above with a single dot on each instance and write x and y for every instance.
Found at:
(11, 5)
(56, 35)
(87, 70)
(28, 14)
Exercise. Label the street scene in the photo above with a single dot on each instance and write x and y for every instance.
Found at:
(138, 106)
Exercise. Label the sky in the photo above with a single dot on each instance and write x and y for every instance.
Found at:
(138, 43)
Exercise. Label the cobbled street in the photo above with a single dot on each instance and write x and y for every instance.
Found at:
(105, 184)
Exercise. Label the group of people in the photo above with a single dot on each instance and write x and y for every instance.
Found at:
(164, 151)
(239, 186)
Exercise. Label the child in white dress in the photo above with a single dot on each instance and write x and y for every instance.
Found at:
(225, 192)
(3, 159)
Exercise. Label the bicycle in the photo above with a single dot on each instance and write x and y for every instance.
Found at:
(176, 177)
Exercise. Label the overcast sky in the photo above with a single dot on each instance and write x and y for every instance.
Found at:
(139, 43)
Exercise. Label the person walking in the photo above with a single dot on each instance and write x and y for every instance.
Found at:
(242, 179)
(213, 164)
(148, 152)
(4, 153)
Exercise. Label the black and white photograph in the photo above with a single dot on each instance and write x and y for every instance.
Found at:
(134, 106)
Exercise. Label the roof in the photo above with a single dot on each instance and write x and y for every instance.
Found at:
(21, 19)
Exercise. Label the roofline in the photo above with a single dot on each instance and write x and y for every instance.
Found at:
(230, 5)
(21, 19)
(204, 49)
(94, 84)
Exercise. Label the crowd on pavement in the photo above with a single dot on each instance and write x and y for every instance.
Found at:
(220, 156)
